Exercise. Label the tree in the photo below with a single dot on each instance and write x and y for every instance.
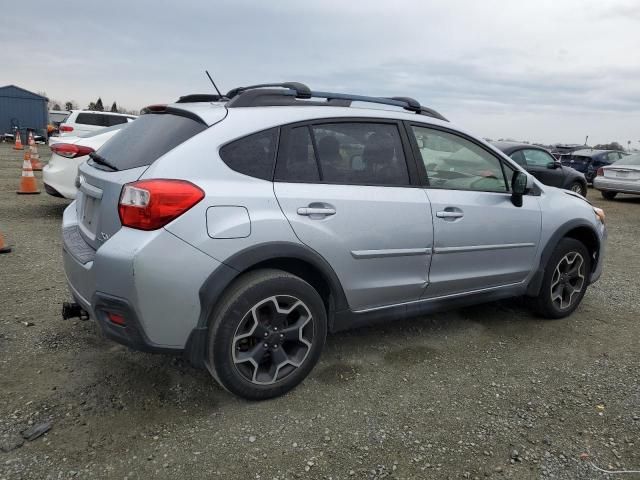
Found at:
(68, 106)
(609, 146)
(92, 106)
(114, 107)
(98, 105)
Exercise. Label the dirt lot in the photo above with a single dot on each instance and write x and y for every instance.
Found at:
(489, 391)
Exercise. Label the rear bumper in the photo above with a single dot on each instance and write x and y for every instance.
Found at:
(614, 185)
(152, 279)
(60, 174)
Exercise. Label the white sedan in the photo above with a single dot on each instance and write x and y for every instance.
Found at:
(67, 153)
(622, 176)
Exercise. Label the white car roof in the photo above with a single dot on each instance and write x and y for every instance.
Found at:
(104, 113)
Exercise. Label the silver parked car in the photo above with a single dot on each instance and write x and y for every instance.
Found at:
(239, 230)
(622, 176)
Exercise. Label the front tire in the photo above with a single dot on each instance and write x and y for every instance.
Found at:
(565, 281)
(578, 187)
(266, 334)
(609, 195)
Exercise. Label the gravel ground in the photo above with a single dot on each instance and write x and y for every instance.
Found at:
(489, 391)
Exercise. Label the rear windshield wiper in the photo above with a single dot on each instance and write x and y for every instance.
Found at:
(96, 157)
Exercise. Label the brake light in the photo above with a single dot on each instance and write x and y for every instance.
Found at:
(600, 172)
(69, 150)
(151, 204)
(65, 128)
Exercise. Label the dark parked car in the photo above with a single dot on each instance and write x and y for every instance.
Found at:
(589, 160)
(541, 164)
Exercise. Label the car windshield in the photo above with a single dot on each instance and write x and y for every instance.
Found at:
(633, 159)
(104, 130)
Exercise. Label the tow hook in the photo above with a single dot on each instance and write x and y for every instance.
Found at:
(73, 310)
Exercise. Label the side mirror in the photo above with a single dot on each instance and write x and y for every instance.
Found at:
(518, 188)
(554, 165)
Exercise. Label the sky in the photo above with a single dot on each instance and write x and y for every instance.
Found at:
(537, 70)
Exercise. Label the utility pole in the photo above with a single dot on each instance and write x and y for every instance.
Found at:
(586, 139)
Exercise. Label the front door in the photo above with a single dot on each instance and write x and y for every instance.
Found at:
(481, 240)
(538, 162)
(346, 190)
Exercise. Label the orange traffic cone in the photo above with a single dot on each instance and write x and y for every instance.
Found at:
(18, 145)
(4, 248)
(36, 164)
(28, 183)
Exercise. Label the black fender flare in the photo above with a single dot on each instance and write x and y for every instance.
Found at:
(533, 288)
(214, 286)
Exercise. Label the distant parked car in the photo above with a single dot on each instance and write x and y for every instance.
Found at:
(56, 117)
(622, 176)
(589, 160)
(59, 175)
(542, 165)
(81, 122)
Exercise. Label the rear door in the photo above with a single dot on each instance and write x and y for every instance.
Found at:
(349, 193)
(481, 240)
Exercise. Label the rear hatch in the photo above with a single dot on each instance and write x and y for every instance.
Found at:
(128, 155)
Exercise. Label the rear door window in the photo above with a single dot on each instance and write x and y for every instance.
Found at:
(148, 138)
(297, 160)
(345, 153)
(91, 119)
(360, 154)
(253, 155)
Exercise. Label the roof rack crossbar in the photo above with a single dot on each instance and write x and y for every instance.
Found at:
(407, 103)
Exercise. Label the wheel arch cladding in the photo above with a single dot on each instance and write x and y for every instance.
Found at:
(577, 229)
(293, 258)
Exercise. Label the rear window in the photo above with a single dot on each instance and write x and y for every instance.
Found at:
(112, 120)
(147, 139)
(91, 119)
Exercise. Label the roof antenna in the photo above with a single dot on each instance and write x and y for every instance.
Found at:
(213, 83)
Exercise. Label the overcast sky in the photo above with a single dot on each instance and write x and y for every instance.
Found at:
(538, 70)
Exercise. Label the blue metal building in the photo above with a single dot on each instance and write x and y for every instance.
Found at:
(23, 109)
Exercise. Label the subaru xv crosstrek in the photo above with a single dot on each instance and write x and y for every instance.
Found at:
(239, 230)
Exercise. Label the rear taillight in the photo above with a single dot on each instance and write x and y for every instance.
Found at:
(151, 204)
(65, 128)
(69, 150)
(600, 172)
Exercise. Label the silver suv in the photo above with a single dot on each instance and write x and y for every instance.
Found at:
(239, 230)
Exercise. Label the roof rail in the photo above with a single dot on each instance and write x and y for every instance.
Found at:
(300, 89)
(267, 95)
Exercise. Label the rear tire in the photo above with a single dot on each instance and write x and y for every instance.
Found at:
(565, 281)
(609, 195)
(266, 334)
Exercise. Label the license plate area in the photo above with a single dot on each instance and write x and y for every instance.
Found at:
(90, 214)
